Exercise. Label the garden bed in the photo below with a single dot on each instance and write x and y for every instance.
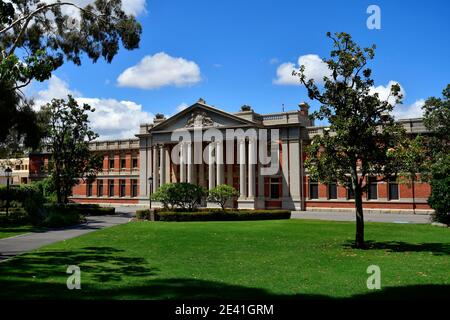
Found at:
(213, 215)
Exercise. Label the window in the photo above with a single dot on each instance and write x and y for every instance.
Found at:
(111, 188)
(135, 163)
(99, 188)
(89, 189)
(372, 193)
(332, 190)
(393, 189)
(134, 188)
(122, 187)
(350, 193)
(111, 163)
(313, 189)
(123, 163)
(274, 188)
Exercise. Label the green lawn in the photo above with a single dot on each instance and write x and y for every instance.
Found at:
(12, 231)
(256, 259)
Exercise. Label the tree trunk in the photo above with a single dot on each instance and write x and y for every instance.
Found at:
(359, 238)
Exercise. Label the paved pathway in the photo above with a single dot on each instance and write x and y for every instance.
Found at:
(373, 217)
(13, 246)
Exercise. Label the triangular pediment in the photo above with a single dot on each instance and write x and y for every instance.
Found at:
(200, 115)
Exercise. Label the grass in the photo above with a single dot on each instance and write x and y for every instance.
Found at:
(11, 231)
(292, 259)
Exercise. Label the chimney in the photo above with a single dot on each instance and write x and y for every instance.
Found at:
(303, 108)
(159, 117)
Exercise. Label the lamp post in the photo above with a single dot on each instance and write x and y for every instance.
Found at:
(8, 173)
(150, 181)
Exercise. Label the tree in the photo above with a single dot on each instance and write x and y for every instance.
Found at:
(184, 195)
(221, 194)
(35, 38)
(67, 138)
(437, 121)
(361, 131)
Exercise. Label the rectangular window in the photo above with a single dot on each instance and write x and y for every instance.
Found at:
(135, 163)
(89, 189)
(393, 189)
(274, 188)
(313, 189)
(111, 188)
(111, 164)
(134, 188)
(332, 190)
(123, 163)
(372, 193)
(99, 188)
(350, 193)
(122, 187)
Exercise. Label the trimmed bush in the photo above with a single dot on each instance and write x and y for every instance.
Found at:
(60, 215)
(27, 197)
(221, 194)
(217, 215)
(93, 209)
(182, 195)
(143, 214)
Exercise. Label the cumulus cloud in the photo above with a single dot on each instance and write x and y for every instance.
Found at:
(315, 68)
(384, 91)
(112, 119)
(134, 7)
(181, 107)
(409, 111)
(159, 70)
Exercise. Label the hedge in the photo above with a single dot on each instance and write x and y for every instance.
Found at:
(217, 215)
(93, 209)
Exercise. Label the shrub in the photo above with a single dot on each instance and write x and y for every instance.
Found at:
(183, 195)
(143, 214)
(215, 215)
(60, 215)
(439, 199)
(93, 209)
(29, 197)
(221, 194)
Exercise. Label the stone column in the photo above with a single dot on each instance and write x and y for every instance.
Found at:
(190, 163)
(219, 163)
(251, 167)
(162, 165)
(211, 173)
(242, 167)
(182, 163)
(155, 168)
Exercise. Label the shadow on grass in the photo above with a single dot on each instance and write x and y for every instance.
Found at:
(400, 246)
(107, 273)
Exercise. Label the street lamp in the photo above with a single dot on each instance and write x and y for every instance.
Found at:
(8, 173)
(150, 180)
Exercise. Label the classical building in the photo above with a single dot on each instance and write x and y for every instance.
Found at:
(20, 173)
(235, 159)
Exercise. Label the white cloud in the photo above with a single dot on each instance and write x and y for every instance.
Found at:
(112, 119)
(134, 7)
(160, 70)
(315, 68)
(411, 111)
(384, 91)
(181, 107)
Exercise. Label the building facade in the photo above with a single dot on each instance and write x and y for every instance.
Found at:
(230, 151)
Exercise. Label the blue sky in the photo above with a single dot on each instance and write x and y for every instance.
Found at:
(232, 49)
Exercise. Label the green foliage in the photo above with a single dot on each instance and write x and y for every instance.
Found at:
(143, 214)
(61, 215)
(183, 195)
(68, 136)
(35, 39)
(92, 209)
(28, 197)
(361, 130)
(440, 185)
(47, 189)
(215, 215)
(221, 194)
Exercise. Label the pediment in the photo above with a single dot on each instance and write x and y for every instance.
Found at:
(201, 116)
